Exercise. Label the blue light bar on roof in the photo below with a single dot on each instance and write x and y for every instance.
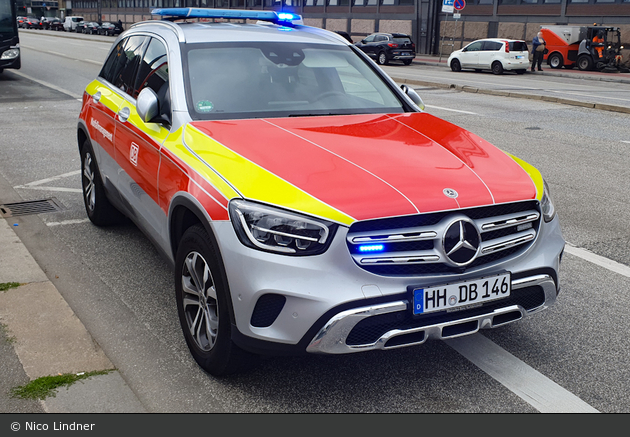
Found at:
(282, 18)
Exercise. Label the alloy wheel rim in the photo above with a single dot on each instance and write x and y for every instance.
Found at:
(88, 182)
(199, 301)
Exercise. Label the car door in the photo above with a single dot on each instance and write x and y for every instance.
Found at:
(469, 57)
(488, 53)
(367, 45)
(138, 143)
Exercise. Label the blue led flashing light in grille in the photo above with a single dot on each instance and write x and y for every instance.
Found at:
(281, 18)
(371, 248)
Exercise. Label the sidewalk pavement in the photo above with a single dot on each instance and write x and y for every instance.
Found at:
(50, 340)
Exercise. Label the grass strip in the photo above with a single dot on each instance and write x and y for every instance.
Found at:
(47, 386)
(4, 286)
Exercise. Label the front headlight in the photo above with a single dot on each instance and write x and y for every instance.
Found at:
(274, 230)
(10, 54)
(548, 210)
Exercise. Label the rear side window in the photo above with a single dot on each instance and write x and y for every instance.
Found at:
(492, 46)
(120, 67)
(518, 46)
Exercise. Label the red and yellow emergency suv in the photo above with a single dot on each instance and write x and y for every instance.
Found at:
(306, 202)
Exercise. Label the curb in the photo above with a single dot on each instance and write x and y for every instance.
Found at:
(50, 340)
(559, 100)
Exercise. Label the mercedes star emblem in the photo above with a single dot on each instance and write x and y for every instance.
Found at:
(461, 242)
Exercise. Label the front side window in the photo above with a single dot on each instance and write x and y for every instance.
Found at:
(279, 80)
(474, 47)
(153, 68)
(120, 67)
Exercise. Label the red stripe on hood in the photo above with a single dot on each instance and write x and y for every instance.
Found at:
(372, 166)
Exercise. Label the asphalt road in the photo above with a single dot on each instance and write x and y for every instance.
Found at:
(115, 281)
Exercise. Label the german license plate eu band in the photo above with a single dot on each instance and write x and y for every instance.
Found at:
(458, 294)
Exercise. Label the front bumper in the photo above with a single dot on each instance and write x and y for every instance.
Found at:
(327, 299)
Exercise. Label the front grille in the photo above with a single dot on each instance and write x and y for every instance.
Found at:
(371, 329)
(413, 245)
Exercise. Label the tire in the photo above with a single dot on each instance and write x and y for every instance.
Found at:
(555, 60)
(381, 58)
(585, 62)
(497, 68)
(98, 208)
(407, 61)
(203, 305)
(521, 71)
(456, 66)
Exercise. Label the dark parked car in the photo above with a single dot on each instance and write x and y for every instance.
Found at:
(80, 26)
(20, 20)
(31, 23)
(52, 23)
(386, 47)
(90, 27)
(111, 29)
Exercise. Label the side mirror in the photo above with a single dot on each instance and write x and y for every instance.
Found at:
(413, 95)
(147, 105)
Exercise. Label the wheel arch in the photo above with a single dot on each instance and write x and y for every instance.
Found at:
(82, 134)
(184, 212)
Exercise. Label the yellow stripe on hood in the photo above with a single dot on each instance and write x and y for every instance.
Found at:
(256, 183)
(533, 173)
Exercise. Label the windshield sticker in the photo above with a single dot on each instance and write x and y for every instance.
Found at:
(204, 106)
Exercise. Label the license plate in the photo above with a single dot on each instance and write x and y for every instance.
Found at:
(520, 57)
(461, 294)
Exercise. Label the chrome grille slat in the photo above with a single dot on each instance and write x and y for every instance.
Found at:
(503, 229)
(506, 221)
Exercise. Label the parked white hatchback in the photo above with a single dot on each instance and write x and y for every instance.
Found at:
(493, 54)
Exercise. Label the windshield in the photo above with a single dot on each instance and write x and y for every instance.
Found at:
(8, 26)
(256, 80)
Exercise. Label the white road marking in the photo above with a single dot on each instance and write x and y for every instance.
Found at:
(587, 95)
(37, 185)
(51, 179)
(67, 190)
(89, 61)
(48, 84)
(601, 261)
(527, 383)
(448, 109)
(628, 142)
(67, 222)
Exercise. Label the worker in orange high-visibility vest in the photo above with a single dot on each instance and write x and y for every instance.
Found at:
(599, 40)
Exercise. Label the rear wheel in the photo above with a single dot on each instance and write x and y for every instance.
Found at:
(381, 58)
(202, 305)
(585, 62)
(497, 68)
(98, 208)
(456, 66)
(555, 60)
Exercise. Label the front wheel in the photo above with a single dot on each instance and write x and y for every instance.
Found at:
(497, 68)
(98, 208)
(585, 62)
(555, 60)
(381, 58)
(202, 305)
(456, 66)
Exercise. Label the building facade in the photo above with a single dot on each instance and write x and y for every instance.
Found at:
(433, 31)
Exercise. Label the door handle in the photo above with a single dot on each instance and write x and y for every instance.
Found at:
(96, 97)
(123, 114)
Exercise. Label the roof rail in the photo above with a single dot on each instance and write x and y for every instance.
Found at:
(280, 18)
(172, 26)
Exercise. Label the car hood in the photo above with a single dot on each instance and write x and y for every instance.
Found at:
(359, 167)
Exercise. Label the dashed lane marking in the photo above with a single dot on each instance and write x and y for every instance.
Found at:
(451, 110)
(68, 222)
